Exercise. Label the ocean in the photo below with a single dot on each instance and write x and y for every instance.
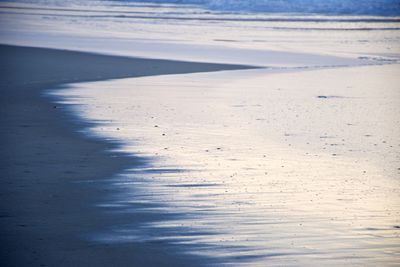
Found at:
(327, 7)
(199, 31)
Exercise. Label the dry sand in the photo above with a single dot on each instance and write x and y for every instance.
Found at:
(45, 209)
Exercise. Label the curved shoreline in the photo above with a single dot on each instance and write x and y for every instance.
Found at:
(44, 206)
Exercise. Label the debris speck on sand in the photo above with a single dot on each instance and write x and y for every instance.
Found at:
(329, 96)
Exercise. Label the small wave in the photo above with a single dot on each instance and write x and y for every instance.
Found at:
(326, 7)
(92, 13)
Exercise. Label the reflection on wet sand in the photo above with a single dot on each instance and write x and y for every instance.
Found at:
(256, 168)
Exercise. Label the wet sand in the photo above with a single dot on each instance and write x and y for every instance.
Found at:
(47, 203)
(267, 169)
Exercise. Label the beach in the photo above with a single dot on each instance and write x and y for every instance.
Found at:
(199, 133)
(249, 184)
(47, 203)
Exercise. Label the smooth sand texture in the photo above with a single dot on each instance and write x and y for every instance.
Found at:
(267, 169)
(45, 211)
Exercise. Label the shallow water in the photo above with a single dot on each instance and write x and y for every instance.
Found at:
(187, 32)
(293, 168)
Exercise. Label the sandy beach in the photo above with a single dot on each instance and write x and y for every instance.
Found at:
(46, 205)
(249, 184)
(199, 133)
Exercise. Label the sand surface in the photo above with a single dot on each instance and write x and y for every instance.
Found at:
(295, 163)
(46, 207)
(263, 168)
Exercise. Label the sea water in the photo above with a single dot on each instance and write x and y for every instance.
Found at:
(327, 7)
(199, 32)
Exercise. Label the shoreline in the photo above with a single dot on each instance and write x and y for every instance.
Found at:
(45, 208)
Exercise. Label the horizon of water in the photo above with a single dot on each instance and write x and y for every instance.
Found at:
(327, 7)
(171, 31)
